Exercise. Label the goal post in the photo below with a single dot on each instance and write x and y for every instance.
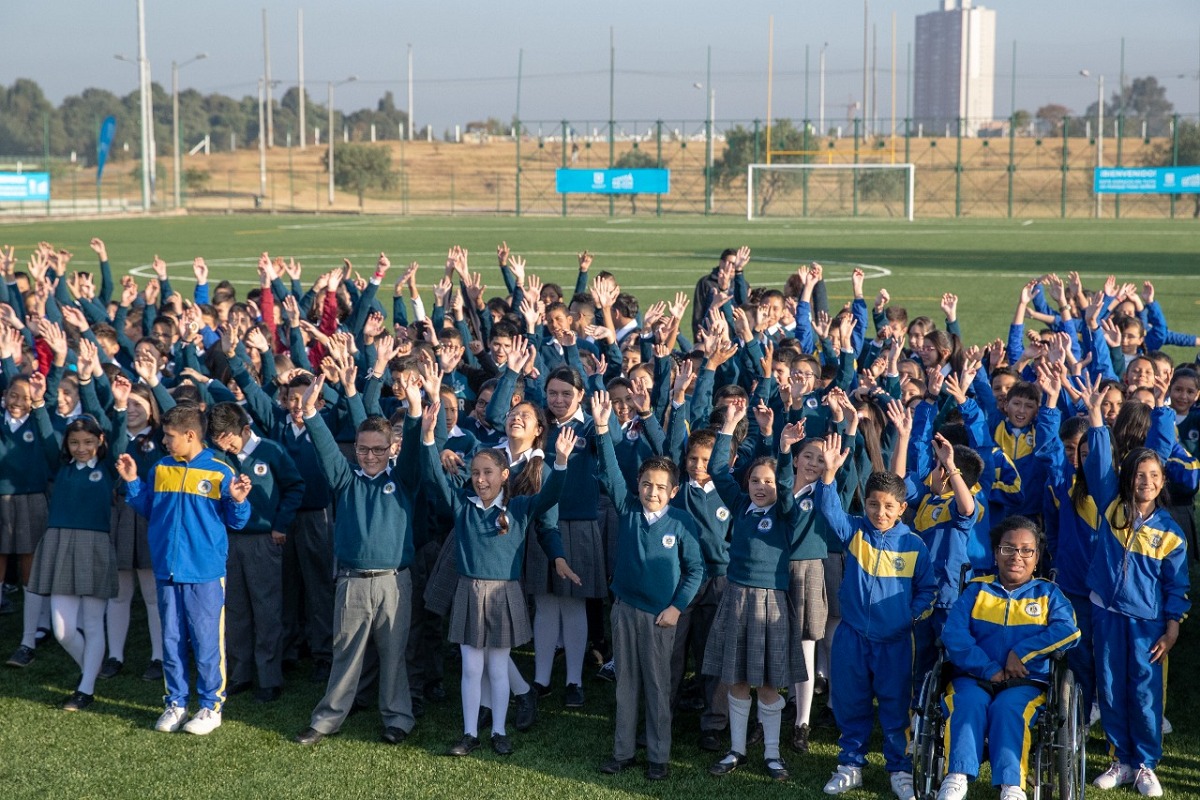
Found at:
(830, 190)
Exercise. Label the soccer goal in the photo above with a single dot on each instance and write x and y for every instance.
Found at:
(830, 190)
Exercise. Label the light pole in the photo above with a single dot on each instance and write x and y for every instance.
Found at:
(821, 91)
(332, 86)
(175, 120)
(710, 125)
(1099, 128)
(143, 125)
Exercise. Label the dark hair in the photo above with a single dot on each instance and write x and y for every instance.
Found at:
(1018, 523)
(187, 393)
(555, 291)
(154, 418)
(158, 344)
(227, 418)
(83, 424)
(888, 483)
(955, 433)
(619, 383)
(186, 417)
(504, 329)
(705, 437)
(1185, 372)
(568, 375)
(896, 314)
(729, 390)
(663, 464)
(969, 462)
(1129, 430)
(1026, 390)
(716, 420)
(626, 305)
(1127, 474)
(494, 455)
(761, 461)
(1072, 427)
(728, 252)
(375, 424)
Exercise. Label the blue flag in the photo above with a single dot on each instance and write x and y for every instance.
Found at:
(108, 129)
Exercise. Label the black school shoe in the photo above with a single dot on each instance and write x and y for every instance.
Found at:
(465, 746)
(777, 769)
(22, 657)
(393, 735)
(573, 696)
(755, 734)
(616, 765)
(267, 694)
(501, 746)
(800, 738)
(78, 701)
(712, 741)
(154, 672)
(728, 764)
(657, 772)
(526, 710)
(111, 668)
(308, 736)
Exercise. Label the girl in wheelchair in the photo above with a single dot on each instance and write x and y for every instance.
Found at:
(999, 637)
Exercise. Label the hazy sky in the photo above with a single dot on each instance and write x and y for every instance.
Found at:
(466, 52)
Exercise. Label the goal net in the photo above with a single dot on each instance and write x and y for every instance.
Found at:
(830, 190)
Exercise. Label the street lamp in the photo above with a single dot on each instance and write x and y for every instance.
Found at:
(175, 119)
(710, 125)
(821, 91)
(1099, 127)
(332, 86)
(147, 160)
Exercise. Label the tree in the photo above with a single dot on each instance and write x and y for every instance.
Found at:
(1051, 118)
(1143, 100)
(635, 159)
(1021, 119)
(743, 148)
(359, 167)
(1188, 134)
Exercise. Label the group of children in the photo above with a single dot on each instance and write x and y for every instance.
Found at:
(787, 499)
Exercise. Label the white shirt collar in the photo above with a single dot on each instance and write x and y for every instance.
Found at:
(706, 488)
(803, 491)
(297, 430)
(529, 454)
(143, 432)
(249, 446)
(385, 471)
(75, 413)
(654, 516)
(626, 329)
(455, 431)
(497, 501)
(576, 417)
(89, 464)
(14, 423)
(753, 509)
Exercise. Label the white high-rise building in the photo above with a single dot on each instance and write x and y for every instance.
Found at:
(955, 69)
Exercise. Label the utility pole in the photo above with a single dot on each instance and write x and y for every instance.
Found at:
(821, 90)
(144, 88)
(300, 59)
(267, 78)
(411, 124)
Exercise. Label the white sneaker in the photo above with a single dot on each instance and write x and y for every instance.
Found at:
(205, 721)
(1147, 782)
(1095, 715)
(902, 786)
(172, 719)
(845, 779)
(954, 787)
(1012, 793)
(1167, 726)
(1117, 774)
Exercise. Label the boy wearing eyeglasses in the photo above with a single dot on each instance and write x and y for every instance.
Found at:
(373, 546)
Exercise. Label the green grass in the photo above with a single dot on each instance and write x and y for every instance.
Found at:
(111, 751)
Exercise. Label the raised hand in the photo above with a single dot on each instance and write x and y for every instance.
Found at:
(743, 257)
(564, 446)
(240, 488)
(37, 387)
(502, 254)
(516, 265)
(601, 410)
(791, 435)
(121, 388)
(98, 248)
(934, 379)
(127, 468)
(312, 393)
(585, 261)
(160, 268)
(944, 452)
(146, 367)
(950, 306)
(857, 277)
(901, 418)
(429, 418)
(87, 364)
(833, 456)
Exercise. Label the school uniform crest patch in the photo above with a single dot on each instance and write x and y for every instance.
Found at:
(260, 470)
(389, 488)
(581, 443)
(898, 562)
(147, 446)
(806, 505)
(1194, 435)
(28, 437)
(95, 476)
(633, 434)
(723, 514)
(811, 402)
(765, 524)
(204, 487)
(1156, 541)
(1033, 609)
(668, 540)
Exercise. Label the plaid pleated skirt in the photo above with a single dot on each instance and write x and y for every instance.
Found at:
(128, 534)
(806, 589)
(751, 639)
(23, 520)
(75, 562)
(489, 614)
(442, 583)
(586, 552)
(835, 568)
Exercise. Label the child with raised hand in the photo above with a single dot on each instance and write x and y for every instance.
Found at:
(491, 526)
(189, 498)
(888, 587)
(75, 563)
(657, 572)
(1139, 582)
(752, 642)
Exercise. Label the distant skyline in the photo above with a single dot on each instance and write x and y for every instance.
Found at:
(466, 53)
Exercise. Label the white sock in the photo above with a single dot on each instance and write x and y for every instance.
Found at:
(768, 715)
(471, 687)
(803, 692)
(497, 661)
(117, 615)
(516, 681)
(92, 622)
(739, 720)
(547, 621)
(32, 616)
(65, 620)
(153, 621)
(575, 635)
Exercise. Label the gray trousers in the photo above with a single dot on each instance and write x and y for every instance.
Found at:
(693, 627)
(308, 584)
(369, 611)
(253, 609)
(642, 651)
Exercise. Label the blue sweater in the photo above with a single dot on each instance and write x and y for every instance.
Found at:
(276, 486)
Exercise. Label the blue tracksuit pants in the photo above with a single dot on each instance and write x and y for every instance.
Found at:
(865, 671)
(1080, 658)
(974, 715)
(193, 623)
(1130, 688)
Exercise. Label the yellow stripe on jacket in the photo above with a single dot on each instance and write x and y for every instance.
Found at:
(188, 480)
(882, 563)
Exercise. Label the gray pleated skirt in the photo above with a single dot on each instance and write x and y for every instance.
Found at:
(442, 583)
(835, 567)
(806, 589)
(129, 536)
(489, 614)
(586, 552)
(22, 522)
(74, 562)
(751, 639)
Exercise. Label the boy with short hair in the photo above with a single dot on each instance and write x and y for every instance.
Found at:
(888, 587)
(189, 498)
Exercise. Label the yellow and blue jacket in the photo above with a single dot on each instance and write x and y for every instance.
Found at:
(1140, 570)
(1070, 526)
(988, 622)
(188, 506)
(889, 581)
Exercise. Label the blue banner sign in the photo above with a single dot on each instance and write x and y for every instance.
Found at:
(613, 181)
(103, 143)
(18, 186)
(1147, 180)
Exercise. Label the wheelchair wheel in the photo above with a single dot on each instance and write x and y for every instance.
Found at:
(1070, 740)
(927, 736)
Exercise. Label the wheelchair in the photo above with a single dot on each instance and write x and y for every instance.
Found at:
(1057, 749)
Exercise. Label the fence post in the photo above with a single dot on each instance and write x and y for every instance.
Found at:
(958, 168)
(756, 123)
(1066, 167)
(1120, 138)
(517, 133)
(658, 140)
(907, 140)
(564, 162)
(708, 148)
(1012, 145)
(612, 143)
(854, 173)
(804, 174)
(1174, 152)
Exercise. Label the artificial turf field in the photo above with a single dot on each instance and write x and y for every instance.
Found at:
(111, 751)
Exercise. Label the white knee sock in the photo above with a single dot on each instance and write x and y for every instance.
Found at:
(32, 618)
(65, 620)
(516, 681)
(739, 720)
(768, 715)
(803, 692)
(153, 621)
(575, 634)
(117, 613)
(546, 625)
(472, 684)
(92, 621)
(497, 662)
